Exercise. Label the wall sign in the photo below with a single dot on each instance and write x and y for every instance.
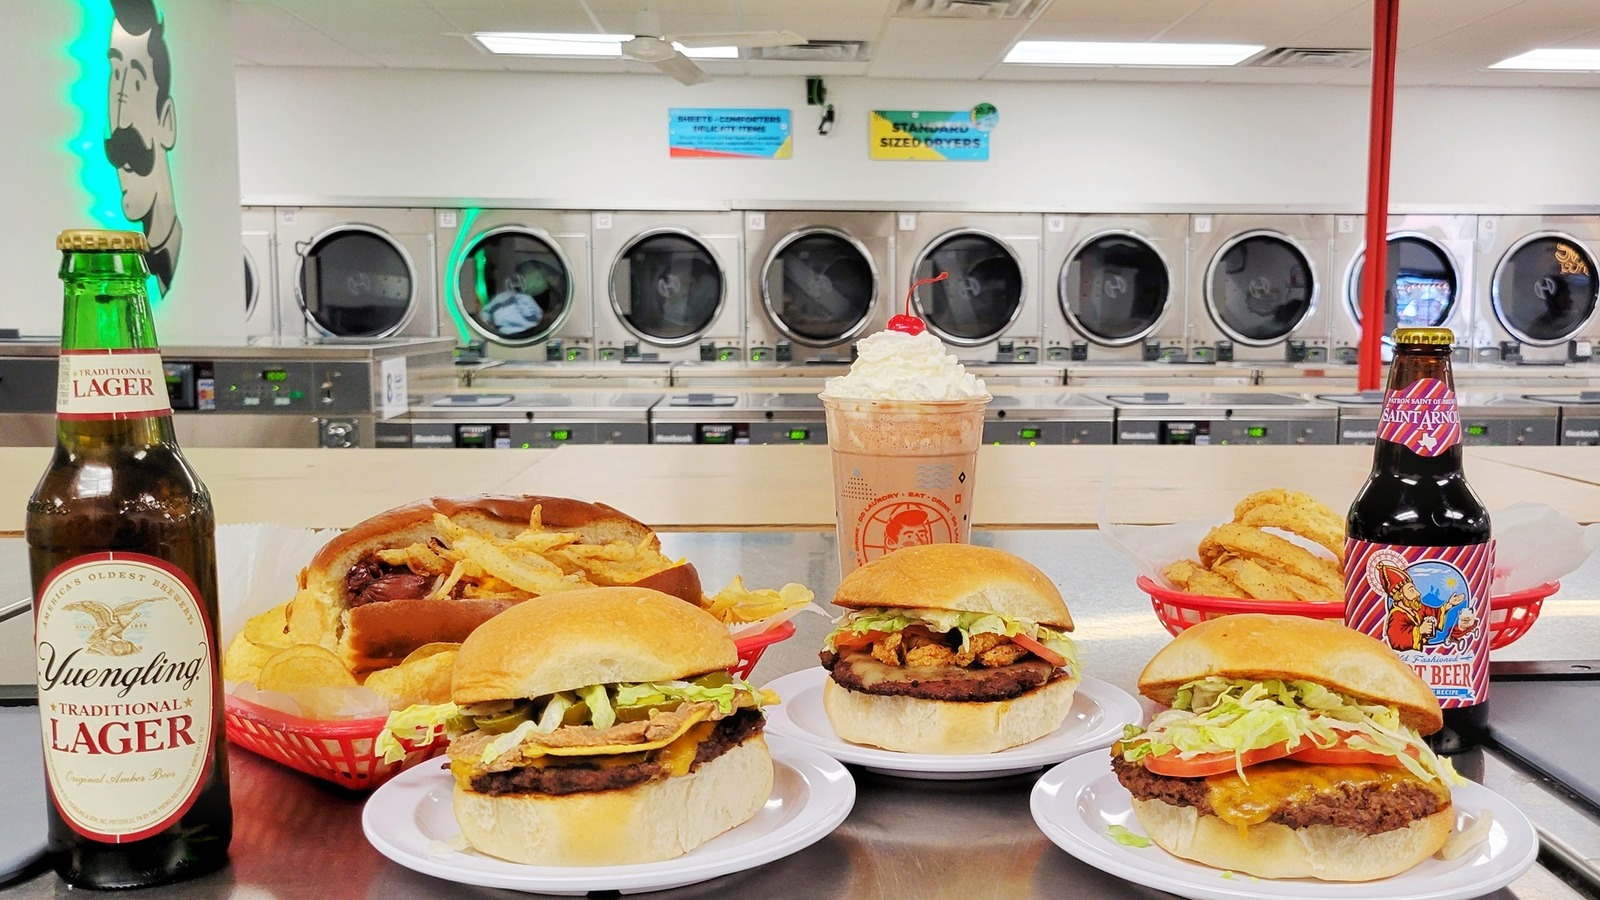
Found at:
(932, 135)
(696, 133)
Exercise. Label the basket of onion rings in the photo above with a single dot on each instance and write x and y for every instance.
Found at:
(1282, 554)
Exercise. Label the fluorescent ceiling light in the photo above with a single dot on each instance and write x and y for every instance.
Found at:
(708, 52)
(1554, 59)
(1104, 53)
(522, 43)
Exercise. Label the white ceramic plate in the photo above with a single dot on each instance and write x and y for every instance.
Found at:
(1099, 710)
(408, 818)
(1076, 802)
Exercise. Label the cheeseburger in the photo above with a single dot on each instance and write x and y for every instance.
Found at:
(1292, 748)
(598, 727)
(434, 570)
(948, 648)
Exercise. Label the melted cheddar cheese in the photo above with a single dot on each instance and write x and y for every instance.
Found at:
(1273, 785)
(675, 757)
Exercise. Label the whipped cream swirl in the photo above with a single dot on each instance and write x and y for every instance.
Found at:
(892, 365)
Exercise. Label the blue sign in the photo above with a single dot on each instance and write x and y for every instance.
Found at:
(729, 133)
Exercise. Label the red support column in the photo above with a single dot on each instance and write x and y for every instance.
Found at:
(1375, 270)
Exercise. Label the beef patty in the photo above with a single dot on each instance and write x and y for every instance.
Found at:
(581, 777)
(856, 670)
(1367, 808)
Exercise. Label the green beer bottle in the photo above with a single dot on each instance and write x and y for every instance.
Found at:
(121, 544)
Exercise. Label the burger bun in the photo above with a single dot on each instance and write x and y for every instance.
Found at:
(916, 725)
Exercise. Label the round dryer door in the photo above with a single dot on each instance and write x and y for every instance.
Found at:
(983, 294)
(251, 288)
(1114, 289)
(1545, 289)
(666, 287)
(514, 286)
(1259, 288)
(356, 282)
(1421, 286)
(818, 286)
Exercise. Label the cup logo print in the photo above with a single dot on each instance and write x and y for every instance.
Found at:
(1422, 417)
(1431, 604)
(909, 519)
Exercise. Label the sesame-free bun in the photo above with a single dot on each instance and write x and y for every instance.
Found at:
(592, 636)
(956, 577)
(1262, 647)
(916, 725)
(1272, 850)
(661, 819)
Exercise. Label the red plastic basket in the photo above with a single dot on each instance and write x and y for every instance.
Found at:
(342, 751)
(1510, 615)
(337, 751)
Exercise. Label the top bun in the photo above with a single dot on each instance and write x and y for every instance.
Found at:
(956, 577)
(1263, 647)
(592, 636)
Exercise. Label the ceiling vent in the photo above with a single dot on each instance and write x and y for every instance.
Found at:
(1311, 58)
(815, 51)
(970, 9)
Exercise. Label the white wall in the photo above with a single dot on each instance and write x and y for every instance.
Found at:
(43, 181)
(383, 136)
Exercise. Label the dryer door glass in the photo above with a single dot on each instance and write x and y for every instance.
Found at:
(513, 287)
(1114, 289)
(1422, 285)
(667, 288)
(819, 287)
(356, 284)
(1260, 289)
(1545, 290)
(249, 286)
(982, 295)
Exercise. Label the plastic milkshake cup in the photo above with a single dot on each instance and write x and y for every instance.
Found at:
(903, 473)
(904, 428)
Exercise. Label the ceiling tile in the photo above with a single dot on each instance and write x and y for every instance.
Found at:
(1132, 12)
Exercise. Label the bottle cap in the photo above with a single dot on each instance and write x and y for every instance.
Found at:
(102, 239)
(1433, 337)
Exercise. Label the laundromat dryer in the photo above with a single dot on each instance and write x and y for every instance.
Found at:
(671, 283)
(987, 307)
(1115, 287)
(517, 280)
(356, 273)
(1259, 288)
(1429, 280)
(1539, 288)
(258, 236)
(816, 282)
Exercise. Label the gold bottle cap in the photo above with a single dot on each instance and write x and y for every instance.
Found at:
(102, 239)
(1435, 337)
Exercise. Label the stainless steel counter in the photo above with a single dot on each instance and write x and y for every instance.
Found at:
(296, 837)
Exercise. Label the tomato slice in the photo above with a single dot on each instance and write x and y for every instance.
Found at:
(854, 641)
(1211, 763)
(1039, 650)
(1342, 754)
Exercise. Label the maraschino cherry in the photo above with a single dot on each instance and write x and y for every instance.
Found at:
(906, 323)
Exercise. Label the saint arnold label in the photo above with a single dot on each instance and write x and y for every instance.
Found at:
(125, 693)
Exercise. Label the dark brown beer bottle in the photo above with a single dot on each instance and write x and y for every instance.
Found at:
(1418, 558)
(121, 546)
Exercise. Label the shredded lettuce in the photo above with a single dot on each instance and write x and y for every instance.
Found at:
(507, 741)
(555, 711)
(1220, 715)
(418, 725)
(601, 715)
(1126, 838)
(966, 624)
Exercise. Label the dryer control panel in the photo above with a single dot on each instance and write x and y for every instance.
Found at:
(255, 386)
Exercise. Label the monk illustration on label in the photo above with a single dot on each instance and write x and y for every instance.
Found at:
(1417, 621)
